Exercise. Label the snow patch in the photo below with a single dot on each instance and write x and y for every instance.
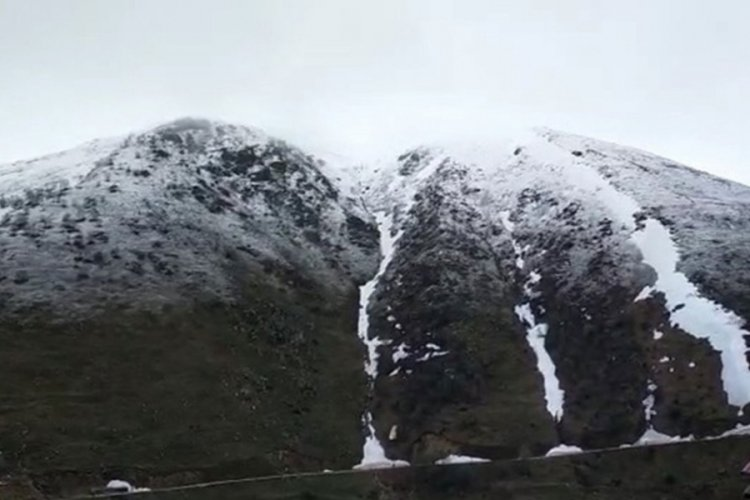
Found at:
(387, 248)
(562, 450)
(393, 433)
(536, 333)
(430, 355)
(694, 314)
(400, 353)
(124, 487)
(373, 454)
(739, 430)
(644, 294)
(649, 401)
(460, 459)
(64, 169)
(535, 336)
(652, 437)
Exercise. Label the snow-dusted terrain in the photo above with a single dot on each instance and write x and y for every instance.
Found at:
(568, 221)
(155, 214)
(543, 294)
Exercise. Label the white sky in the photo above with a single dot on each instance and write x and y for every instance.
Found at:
(369, 78)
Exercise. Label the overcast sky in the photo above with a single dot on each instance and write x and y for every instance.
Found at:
(368, 78)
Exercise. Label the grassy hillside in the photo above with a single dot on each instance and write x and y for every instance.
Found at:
(187, 387)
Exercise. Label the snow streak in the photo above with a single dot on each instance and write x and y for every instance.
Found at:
(387, 246)
(536, 333)
(373, 454)
(460, 459)
(694, 314)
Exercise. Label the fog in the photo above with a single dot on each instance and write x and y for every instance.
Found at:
(369, 78)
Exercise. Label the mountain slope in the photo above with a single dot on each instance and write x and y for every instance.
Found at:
(568, 242)
(174, 205)
(203, 296)
(174, 297)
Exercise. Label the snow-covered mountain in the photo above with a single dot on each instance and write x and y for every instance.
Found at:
(553, 289)
(156, 214)
(546, 291)
(176, 296)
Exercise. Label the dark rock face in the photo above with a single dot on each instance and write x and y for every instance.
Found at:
(592, 338)
(463, 378)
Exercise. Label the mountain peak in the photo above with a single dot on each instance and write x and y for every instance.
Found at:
(188, 123)
(200, 125)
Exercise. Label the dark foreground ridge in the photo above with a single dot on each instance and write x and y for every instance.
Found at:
(696, 470)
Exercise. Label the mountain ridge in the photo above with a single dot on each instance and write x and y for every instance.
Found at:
(542, 292)
(545, 189)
